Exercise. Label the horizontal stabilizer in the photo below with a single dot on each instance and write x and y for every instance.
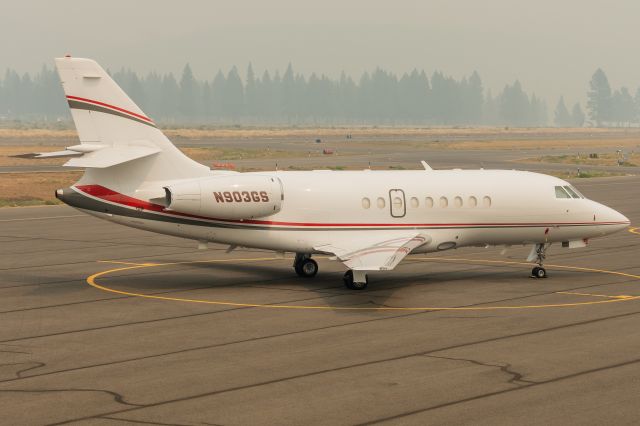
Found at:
(74, 150)
(111, 156)
(52, 154)
(92, 155)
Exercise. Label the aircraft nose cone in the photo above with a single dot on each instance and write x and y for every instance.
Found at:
(618, 220)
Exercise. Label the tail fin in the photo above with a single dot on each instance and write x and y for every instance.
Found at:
(114, 131)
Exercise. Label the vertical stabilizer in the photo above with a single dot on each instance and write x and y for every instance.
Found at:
(105, 116)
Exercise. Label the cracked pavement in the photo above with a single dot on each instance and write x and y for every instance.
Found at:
(71, 354)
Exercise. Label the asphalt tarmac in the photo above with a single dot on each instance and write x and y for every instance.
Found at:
(384, 152)
(169, 334)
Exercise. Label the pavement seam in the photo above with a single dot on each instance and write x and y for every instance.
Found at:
(490, 394)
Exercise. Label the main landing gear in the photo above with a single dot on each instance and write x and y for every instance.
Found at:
(355, 280)
(540, 252)
(308, 268)
(305, 266)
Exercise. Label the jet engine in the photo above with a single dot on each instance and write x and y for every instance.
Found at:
(236, 196)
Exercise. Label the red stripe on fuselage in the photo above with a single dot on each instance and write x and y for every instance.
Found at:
(107, 194)
(91, 101)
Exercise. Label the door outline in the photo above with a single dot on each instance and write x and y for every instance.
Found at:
(397, 192)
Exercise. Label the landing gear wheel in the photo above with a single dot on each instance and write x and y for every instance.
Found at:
(539, 252)
(307, 268)
(351, 285)
(539, 272)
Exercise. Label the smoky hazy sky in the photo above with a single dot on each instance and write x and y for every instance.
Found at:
(551, 46)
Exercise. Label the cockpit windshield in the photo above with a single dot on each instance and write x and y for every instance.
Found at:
(573, 188)
(571, 192)
(561, 192)
(567, 191)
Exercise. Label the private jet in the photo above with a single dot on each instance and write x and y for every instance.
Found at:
(368, 220)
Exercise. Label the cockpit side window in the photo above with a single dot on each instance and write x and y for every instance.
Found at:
(561, 193)
(571, 192)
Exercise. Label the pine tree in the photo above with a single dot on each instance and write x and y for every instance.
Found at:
(599, 95)
(218, 94)
(265, 97)
(385, 96)
(365, 98)
(445, 102)
(515, 108)
(206, 106)
(188, 95)
(251, 93)
(562, 118)
(154, 95)
(622, 106)
(11, 90)
(474, 98)
(287, 96)
(233, 100)
(491, 110)
(170, 93)
(577, 116)
(277, 101)
(538, 112)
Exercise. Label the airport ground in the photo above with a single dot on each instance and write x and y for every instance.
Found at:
(561, 152)
(103, 324)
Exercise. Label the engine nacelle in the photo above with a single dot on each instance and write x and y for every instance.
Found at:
(237, 196)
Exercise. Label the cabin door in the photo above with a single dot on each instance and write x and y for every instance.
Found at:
(397, 203)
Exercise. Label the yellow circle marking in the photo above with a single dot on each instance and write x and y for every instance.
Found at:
(91, 280)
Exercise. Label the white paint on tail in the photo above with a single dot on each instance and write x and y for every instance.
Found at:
(133, 146)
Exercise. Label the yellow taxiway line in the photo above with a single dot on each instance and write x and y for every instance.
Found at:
(91, 280)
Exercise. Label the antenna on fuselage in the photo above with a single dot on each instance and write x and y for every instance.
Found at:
(425, 165)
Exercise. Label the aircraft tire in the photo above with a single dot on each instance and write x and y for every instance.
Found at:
(350, 284)
(307, 268)
(539, 272)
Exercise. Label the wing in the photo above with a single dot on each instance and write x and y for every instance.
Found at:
(381, 253)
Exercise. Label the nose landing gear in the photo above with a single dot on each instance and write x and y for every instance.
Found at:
(305, 266)
(540, 255)
(539, 272)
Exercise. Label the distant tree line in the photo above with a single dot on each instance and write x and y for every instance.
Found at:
(611, 108)
(379, 97)
(604, 107)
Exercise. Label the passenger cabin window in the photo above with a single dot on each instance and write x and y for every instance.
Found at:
(561, 193)
(486, 201)
(457, 202)
(428, 202)
(380, 203)
(397, 203)
(366, 203)
(444, 202)
(473, 201)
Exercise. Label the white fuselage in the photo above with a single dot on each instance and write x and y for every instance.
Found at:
(456, 208)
